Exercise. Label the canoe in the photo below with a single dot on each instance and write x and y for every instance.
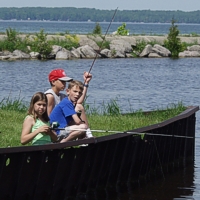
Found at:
(62, 171)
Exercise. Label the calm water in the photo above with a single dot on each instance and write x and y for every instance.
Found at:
(136, 84)
(87, 27)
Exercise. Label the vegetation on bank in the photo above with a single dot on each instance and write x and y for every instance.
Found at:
(37, 43)
(96, 15)
(105, 117)
(173, 43)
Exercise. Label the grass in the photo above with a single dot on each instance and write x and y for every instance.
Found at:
(123, 122)
(107, 117)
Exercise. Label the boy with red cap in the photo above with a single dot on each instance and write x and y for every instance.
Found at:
(58, 79)
(66, 116)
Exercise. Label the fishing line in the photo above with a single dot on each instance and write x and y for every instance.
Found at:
(103, 40)
(129, 132)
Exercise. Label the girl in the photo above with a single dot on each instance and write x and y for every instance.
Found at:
(36, 124)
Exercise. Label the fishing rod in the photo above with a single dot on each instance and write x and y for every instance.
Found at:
(103, 39)
(100, 49)
(129, 132)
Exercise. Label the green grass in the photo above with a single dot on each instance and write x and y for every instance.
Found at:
(107, 117)
(133, 120)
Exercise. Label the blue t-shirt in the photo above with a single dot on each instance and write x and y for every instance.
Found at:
(62, 113)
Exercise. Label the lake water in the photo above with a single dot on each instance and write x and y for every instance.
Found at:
(87, 27)
(137, 83)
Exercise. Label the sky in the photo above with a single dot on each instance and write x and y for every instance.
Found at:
(183, 5)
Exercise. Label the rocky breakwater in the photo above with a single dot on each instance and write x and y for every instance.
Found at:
(117, 47)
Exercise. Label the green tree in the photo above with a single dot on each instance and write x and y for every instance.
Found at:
(97, 29)
(173, 43)
(41, 45)
(12, 41)
(121, 30)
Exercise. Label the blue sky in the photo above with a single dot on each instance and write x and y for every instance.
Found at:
(184, 5)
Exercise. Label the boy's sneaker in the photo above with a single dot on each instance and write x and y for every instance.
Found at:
(88, 133)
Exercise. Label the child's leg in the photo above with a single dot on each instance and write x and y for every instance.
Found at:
(75, 134)
(79, 107)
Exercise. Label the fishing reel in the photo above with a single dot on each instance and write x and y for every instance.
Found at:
(54, 125)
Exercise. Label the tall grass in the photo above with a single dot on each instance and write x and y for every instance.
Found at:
(8, 104)
(107, 117)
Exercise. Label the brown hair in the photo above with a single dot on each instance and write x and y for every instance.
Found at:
(75, 83)
(39, 96)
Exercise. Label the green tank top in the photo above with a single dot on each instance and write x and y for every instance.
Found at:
(40, 138)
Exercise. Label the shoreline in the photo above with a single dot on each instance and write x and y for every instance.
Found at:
(117, 47)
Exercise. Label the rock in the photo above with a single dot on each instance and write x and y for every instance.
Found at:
(5, 53)
(15, 57)
(55, 49)
(190, 40)
(160, 50)
(106, 53)
(75, 53)
(154, 55)
(34, 55)
(189, 54)
(20, 54)
(87, 52)
(129, 55)
(117, 54)
(84, 40)
(53, 37)
(146, 51)
(4, 57)
(63, 54)
(29, 48)
(129, 39)
(194, 48)
(121, 45)
(147, 38)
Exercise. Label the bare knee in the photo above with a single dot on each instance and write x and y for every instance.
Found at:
(83, 126)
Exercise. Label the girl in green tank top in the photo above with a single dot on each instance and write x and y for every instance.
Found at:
(36, 127)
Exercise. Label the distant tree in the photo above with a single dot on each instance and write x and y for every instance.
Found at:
(173, 43)
(97, 29)
(84, 14)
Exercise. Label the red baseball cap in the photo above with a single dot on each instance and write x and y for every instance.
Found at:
(58, 74)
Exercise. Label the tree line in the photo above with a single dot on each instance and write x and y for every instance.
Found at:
(96, 15)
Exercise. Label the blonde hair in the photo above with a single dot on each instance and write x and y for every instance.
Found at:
(75, 83)
(39, 96)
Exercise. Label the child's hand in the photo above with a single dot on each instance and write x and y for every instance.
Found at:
(44, 129)
(87, 77)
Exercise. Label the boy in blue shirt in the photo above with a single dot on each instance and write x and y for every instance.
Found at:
(58, 79)
(64, 113)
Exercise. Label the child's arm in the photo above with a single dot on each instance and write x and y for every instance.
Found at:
(51, 103)
(26, 135)
(52, 134)
(86, 77)
(77, 120)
